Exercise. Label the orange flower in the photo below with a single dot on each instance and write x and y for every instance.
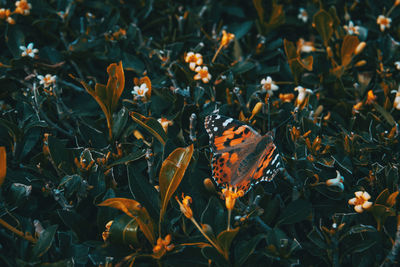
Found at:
(231, 194)
(106, 232)
(357, 107)
(165, 123)
(5, 14)
(23, 7)
(370, 98)
(185, 206)
(360, 202)
(202, 74)
(163, 245)
(226, 38)
(383, 22)
(286, 97)
(194, 60)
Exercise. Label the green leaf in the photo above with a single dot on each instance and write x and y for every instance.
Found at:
(44, 242)
(296, 211)
(125, 230)
(213, 255)
(138, 154)
(14, 39)
(388, 117)
(30, 140)
(215, 215)
(323, 23)
(76, 223)
(225, 238)
(242, 67)
(240, 30)
(172, 171)
(360, 246)
(120, 120)
(133, 63)
(59, 154)
(151, 125)
(135, 210)
(242, 253)
(141, 189)
(317, 238)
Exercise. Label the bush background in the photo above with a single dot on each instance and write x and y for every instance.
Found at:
(50, 137)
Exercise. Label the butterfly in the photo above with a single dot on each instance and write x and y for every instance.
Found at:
(241, 156)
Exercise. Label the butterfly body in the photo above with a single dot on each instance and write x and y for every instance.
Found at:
(241, 156)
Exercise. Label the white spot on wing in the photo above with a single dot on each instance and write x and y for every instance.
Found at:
(217, 117)
(215, 129)
(276, 157)
(227, 122)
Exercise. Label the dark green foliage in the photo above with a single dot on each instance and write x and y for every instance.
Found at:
(82, 151)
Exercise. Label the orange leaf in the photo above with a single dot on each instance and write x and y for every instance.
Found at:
(107, 96)
(349, 45)
(171, 174)
(135, 210)
(323, 23)
(115, 84)
(151, 125)
(392, 199)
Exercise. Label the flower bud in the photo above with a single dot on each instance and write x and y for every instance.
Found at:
(360, 47)
(209, 185)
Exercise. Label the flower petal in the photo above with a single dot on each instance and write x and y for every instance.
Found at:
(367, 205)
(358, 208)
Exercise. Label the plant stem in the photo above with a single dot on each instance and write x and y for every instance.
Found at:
(216, 53)
(207, 237)
(229, 219)
(17, 232)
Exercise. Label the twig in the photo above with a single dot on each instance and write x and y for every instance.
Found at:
(25, 236)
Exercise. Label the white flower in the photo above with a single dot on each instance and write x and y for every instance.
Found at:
(351, 29)
(303, 92)
(28, 50)
(397, 64)
(383, 22)
(194, 60)
(337, 182)
(360, 202)
(140, 91)
(305, 47)
(302, 15)
(47, 80)
(269, 85)
(202, 73)
(396, 102)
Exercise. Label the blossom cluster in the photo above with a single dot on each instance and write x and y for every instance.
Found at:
(22, 7)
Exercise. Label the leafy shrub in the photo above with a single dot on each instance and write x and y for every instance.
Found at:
(104, 158)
